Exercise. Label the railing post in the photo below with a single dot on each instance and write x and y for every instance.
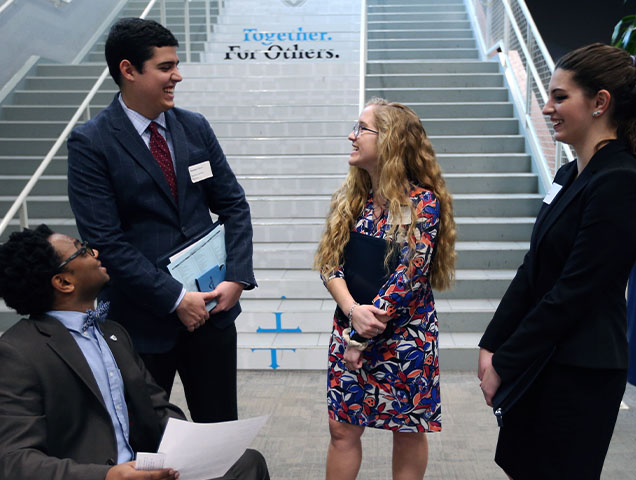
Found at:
(162, 12)
(186, 23)
(529, 61)
(506, 33)
(207, 20)
(558, 156)
(24, 216)
(87, 113)
(488, 32)
(363, 53)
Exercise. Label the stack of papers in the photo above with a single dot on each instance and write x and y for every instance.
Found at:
(198, 258)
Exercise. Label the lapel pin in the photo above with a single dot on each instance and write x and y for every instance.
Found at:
(113, 338)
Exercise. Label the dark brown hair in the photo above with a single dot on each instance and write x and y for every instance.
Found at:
(601, 67)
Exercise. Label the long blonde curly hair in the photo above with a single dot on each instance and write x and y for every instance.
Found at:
(405, 158)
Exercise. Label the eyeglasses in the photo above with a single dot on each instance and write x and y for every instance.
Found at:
(84, 249)
(357, 128)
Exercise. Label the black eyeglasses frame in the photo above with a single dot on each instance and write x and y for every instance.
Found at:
(84, 248)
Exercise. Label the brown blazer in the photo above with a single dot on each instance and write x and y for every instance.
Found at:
(53, 421)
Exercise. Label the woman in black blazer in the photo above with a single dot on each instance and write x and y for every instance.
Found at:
(567, 301)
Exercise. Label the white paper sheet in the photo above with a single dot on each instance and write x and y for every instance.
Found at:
(197, 259)
(201, 451)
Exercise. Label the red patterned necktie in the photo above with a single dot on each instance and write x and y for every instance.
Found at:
(161, 152)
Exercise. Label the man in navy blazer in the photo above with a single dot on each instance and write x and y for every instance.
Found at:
(143, 177)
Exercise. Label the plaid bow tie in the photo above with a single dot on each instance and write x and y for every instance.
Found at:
(95, 316)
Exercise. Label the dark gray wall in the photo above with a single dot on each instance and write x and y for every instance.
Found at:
(38, 27)
(569, 24)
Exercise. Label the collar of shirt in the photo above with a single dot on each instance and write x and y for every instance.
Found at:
(140, 122)
(70, 319)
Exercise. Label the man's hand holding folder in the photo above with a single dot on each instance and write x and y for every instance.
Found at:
(192, 310)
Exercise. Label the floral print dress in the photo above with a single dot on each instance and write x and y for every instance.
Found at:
(397, 387)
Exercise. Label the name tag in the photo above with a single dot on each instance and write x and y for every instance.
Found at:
(554, 190)
(200, 171)
(405, 217)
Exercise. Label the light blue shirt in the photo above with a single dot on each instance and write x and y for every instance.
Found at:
(107, 375)
(141, 126)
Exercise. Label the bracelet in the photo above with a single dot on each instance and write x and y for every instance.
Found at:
(355, 304)
(354, 343)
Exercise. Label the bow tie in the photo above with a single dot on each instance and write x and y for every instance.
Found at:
(95, 316)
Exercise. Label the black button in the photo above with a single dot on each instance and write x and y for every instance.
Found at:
(110, 461)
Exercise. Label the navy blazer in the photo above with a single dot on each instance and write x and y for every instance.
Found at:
(570, 291)
(124, 208)
(53, 420)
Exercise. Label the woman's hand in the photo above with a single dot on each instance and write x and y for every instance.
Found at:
(490, 384)
(364, 320)
(485, 361)
(352, 358)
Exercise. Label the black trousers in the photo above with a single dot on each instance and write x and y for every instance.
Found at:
(251, 466)
(206, 362)
(562, 427)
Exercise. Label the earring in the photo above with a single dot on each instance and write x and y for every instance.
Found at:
(596, 113)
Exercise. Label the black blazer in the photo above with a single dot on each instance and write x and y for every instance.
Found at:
(570, 290)
(53, 421)
(123, 206)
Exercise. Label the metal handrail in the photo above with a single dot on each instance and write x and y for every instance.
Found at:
(523, 94)
(363, 54)
(6, 5)
(20, 202)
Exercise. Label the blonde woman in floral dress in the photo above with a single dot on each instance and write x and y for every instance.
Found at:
(389, 377)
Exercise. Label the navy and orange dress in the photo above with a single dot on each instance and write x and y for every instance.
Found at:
(397, 387)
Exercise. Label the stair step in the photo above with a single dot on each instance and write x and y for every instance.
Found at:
(285, 83)
(26, 165)
(334, 145)
(447, 95)
(421, 54)
(467, 205)
(303, 184)
(411, 3)
(428, 15)
(254, 97)
(306, 284)
(316, 206)
(69, 83)
(60, 97)
(313, 128)
(429, 34)
(403, 9)
(471, 255)
(305, 229)
(337, 163)
(68, 70)
(428, 67)
(420, 44)
(314, 316)
(416, 25)
(436, 80)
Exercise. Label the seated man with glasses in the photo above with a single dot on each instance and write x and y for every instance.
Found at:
(76, 401)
